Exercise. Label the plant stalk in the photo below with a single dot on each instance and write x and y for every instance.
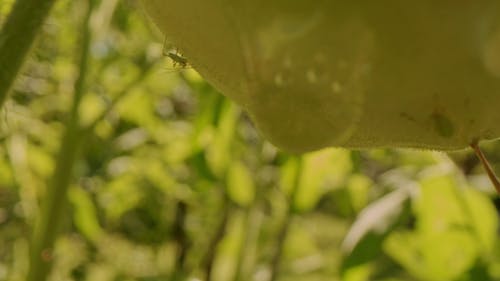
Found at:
(182, 241)
(209, 260)
(55, 199)
(246, 257)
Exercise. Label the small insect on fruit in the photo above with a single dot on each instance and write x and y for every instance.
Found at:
(178, 60)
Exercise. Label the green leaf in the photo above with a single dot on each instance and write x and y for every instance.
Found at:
(484, 219)
(358, 187)
(119, 195)
(376, 217)
(454, 226)
(240, 184)
(321, 172)
(218, 153)
(85, 214)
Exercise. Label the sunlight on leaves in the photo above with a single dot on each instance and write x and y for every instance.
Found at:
(449, 236)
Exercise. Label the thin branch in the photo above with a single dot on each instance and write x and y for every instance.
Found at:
(55, 199)
(182, 240)
(209, 259)
(16, 38)
(487, 166)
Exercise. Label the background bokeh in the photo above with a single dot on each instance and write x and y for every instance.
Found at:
(172, 181)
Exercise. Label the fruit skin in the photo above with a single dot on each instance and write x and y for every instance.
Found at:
(312, 74)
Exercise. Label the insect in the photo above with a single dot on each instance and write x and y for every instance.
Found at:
(178, 60)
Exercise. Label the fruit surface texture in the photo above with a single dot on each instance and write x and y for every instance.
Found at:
(356, 74)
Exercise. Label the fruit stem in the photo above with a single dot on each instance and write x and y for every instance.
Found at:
(487, 166)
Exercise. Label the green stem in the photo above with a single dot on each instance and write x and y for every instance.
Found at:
(248, 246)
(182, 241)
(55, 199)
(209, 259)
(283, 232)
(240, 263)
(16, 38)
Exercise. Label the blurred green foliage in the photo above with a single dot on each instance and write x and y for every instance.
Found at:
(173, 182)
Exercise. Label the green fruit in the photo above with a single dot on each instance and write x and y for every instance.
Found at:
(359, 74)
